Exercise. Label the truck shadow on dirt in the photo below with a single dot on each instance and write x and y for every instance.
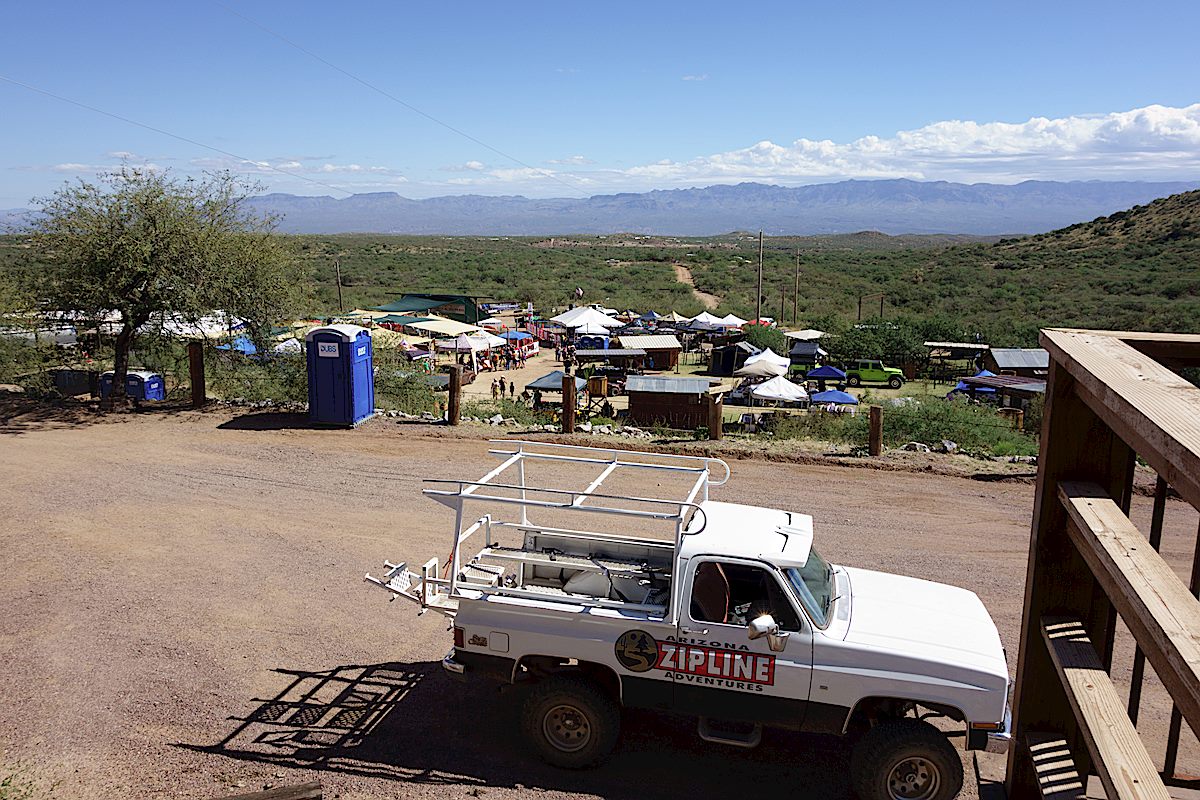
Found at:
(411, 723)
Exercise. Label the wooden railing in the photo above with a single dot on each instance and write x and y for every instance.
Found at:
(1111, 398)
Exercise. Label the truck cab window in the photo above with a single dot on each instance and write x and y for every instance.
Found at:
(734, 594)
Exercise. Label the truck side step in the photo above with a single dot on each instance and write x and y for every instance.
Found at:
(735, 734)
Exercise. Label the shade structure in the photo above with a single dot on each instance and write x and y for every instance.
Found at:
(675, 317)
(779, 389)
(704, 316)
(771, 356)
(591, 329)
(733, 321)
(651, 316)
(582, 316)
(553, 381)
(806, 335)
(761, 369)
(516, 336)
(463, 344)
(836, 397)
(446, 327)
(826, 373)
(489, 339)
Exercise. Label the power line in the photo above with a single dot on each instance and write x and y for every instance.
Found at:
(545, 173)
(129, 121)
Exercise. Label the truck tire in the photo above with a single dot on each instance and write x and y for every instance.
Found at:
(905, 759)
(853, 380)
(570, 721)
(895, 382)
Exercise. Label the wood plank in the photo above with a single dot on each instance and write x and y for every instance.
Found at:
(1153, 409)
(1119, 757)
(302, 791)
(1058, 779)
(1171, 349)
(1159, 610)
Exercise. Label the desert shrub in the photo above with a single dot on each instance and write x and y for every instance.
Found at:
(282, 378)
(509, 409)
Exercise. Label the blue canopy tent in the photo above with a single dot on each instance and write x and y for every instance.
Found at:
(826, 373)
(553, 382)
(651, 316)
(241, 344)
(833, 396)
(516, 336)
(962, 387)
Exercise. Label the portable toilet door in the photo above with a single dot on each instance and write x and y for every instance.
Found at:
(341, 381)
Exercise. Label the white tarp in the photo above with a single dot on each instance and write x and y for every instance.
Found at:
(806, 335)
(446, 327)
(769, 355)
(779, 389)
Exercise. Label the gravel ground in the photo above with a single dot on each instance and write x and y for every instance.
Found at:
(184, 613)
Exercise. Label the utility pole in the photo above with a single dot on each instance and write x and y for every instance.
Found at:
(796, 295)
(337, 271)
(782, 300)
(758, 297)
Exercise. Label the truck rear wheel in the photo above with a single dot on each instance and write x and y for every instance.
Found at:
(905, 759)
(570, 721)
(853, 380)
(895, 382)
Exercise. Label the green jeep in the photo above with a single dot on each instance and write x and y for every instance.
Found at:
(867, 371)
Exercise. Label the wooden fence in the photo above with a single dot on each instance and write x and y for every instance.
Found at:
(1112, 397)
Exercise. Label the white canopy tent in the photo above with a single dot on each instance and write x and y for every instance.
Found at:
(584, 315)
(704, 316)
(771, 356)
(463, 344)
(779, 389)
(591, 329)
(806, 335)
(732, 320)
(761, 369)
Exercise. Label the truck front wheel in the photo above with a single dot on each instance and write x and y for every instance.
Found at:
(571, 722)
(895, 382)
(905, 759)
(853, 380)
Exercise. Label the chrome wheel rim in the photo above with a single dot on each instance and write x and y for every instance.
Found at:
(914, 778)
(567, 728)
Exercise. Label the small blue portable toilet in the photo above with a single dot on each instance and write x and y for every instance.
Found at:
(140, 384)
(341, 376)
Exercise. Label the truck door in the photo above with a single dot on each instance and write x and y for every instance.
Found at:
(718, 670)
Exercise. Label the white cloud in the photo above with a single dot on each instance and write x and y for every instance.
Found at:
(702, 77)
(571, 161)
(1155, 142)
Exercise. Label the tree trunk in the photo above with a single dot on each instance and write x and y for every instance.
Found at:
(116, 399)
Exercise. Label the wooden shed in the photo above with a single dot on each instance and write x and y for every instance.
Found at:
(662, 349)
(1031, 362)
(675, 402)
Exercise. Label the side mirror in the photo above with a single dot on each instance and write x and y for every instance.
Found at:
(766, 626)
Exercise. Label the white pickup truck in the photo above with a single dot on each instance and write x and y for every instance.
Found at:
(729, 615)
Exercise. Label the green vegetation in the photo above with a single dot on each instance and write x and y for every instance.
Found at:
(144, 245)
(509, 409)
(977, 430)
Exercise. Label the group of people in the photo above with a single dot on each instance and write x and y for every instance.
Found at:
(508, 358)
(500, 386)
(565, 352)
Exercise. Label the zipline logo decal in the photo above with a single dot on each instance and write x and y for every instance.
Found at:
(709, 664)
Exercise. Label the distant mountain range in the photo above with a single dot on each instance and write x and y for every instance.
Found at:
(889, 206)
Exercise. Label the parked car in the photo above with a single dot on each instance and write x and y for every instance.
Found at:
(871, 371)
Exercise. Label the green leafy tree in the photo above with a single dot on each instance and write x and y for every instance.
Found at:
(764, 336)
(143, 245)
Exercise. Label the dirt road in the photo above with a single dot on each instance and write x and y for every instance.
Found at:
(684, 275)
(184, 614)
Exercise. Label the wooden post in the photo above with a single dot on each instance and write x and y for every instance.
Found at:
(196, 374)
(568, 404)
(796, 294)
(303, 791)
(716, 420)
(875, 440)
(337, 269)
(453, 407)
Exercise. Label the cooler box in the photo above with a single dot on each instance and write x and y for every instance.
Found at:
(341, 377)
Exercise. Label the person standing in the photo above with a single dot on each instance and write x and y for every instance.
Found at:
(512, 390)
(495, 389)
(503, 386)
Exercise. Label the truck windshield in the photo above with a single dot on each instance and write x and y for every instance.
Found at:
(814, 584)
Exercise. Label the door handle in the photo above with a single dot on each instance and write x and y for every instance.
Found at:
(699, 631)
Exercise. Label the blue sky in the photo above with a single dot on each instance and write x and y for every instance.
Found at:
(589, 98)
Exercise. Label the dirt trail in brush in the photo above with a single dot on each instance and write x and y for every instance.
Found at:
(684, 275)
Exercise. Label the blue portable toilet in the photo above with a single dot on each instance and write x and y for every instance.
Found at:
(341, 376)
(140, 384)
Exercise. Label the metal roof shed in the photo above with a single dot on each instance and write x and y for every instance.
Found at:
(677, 402)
